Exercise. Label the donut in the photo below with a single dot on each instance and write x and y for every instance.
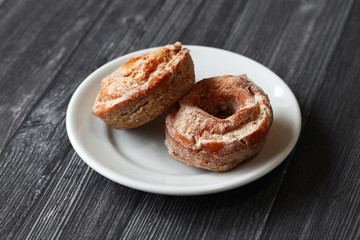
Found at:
(145, 87)
(219, 123)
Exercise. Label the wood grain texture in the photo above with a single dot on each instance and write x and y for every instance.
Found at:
(325, 169)
(47, 192)
(34, 46)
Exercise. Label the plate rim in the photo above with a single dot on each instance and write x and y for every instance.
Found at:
(169, 189)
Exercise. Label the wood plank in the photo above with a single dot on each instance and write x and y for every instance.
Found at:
(320, 198)
(2, 2)
(35, 45)
(63, 198)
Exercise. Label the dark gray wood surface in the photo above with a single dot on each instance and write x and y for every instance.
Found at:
(48, 47)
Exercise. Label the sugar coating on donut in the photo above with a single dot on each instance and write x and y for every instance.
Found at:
(145, 87)
(219, 123)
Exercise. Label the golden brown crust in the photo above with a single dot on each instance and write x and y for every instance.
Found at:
(145, 87)
(219, 123)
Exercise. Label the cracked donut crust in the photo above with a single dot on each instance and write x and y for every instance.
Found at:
(219, 123)
(145, 87)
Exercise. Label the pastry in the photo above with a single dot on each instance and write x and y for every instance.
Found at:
(219, 123)
(145, 87)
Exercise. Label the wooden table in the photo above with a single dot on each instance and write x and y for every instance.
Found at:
(48, 47)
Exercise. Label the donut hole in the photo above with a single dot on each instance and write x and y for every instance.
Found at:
(222, 108)
(224, 111)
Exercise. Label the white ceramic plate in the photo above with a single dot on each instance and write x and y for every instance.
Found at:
(138, 158)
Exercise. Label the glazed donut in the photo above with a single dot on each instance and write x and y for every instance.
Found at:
(145, 87)
(220, 122)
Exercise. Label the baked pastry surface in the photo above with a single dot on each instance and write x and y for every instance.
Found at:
(220, 122)
(145, 87)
